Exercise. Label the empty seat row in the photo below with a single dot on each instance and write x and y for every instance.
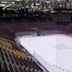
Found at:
(14, 68)
(11, 41)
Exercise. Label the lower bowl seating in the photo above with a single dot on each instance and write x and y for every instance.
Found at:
(13, 59)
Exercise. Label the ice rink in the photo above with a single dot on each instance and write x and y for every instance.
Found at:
(55, 49)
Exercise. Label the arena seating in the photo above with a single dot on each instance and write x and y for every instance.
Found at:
(12, 59)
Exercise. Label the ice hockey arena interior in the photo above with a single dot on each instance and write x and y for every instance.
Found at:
(44, 26)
